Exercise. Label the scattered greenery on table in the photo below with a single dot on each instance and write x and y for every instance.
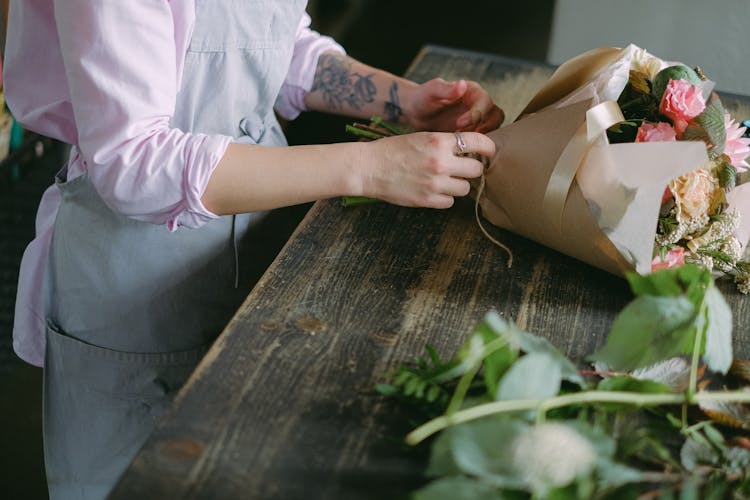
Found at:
(659, 414)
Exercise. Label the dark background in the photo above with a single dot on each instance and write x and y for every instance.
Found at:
(382, 33)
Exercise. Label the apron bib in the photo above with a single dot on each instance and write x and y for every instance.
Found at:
(132, 308)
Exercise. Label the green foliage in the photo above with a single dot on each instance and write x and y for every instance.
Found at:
(672, 307)
(637, 102)
(712, 121)
(677, 72)
(667, 224)
(726, 173)
(624, 131)
(604, 445)
(649, 329)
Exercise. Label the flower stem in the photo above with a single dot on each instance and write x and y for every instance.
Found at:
(353, 201)
(462, 388)
(586, 397)
(702, 326)
(367, 134)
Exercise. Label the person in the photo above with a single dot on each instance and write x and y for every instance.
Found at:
(170, 107)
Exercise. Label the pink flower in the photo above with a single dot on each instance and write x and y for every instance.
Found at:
(681, 103)
(675, 257)
(737, 147)
(659, 132)
(667, 195)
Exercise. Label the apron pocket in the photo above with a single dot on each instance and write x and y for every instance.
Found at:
(100, 405)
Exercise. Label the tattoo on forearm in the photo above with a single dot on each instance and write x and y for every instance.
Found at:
(339, 86)
(393, 111)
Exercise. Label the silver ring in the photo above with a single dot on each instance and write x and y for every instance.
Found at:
(460, 143)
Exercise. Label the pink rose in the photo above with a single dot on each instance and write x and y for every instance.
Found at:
(675, 257)
(658, 132)
(681, 103)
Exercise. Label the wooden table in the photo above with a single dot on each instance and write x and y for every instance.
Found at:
(283, 405)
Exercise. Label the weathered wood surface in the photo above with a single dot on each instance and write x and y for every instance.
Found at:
(283, 405)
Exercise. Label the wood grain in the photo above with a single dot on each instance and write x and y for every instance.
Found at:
(283, 405)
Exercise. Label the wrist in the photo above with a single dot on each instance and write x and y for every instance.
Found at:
(402, 98)
(355, 171)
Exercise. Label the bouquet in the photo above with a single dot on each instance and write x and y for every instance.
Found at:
(626, 162)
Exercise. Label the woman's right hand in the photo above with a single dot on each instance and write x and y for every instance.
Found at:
(422, 169)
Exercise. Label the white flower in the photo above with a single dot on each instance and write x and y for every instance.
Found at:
(646, 63)
(551, 455)
(718, 231)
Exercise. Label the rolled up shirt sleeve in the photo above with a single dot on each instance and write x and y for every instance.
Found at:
(308, 47)
(122, 66)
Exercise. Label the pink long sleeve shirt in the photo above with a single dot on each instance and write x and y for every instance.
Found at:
(114, 104)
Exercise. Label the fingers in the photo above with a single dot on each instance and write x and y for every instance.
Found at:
(483, 115)
(479, 144)
(425, 168)
(445, 92)
(491, 121)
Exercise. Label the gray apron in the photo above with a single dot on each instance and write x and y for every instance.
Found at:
(131, 307)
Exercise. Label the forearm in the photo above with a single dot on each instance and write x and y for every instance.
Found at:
(251, 178)
(345, 86)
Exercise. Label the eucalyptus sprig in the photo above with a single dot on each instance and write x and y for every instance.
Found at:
(535, 426)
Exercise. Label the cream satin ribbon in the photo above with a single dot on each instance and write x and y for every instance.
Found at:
(598, 120)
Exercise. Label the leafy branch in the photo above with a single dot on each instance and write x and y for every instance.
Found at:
(535, 426)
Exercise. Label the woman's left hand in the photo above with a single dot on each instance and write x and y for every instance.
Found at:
(439, 105)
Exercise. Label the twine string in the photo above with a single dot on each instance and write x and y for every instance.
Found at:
(480, 191)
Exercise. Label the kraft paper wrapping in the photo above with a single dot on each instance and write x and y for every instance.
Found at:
(555, 179)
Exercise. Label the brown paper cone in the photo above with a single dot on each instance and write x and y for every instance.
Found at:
(516, 183)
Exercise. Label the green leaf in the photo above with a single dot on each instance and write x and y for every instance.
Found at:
(727, 174)
(534, 376)
(648, 330)
(613, 475)
(718, 353)
(689, 280)
(690, 489)
(530, 343)
(441, 458)
(482, 448)
(623, 132)
(569, 492)
(697, 452)
(457, 488)
(712, 121)
(496, 363)
(695, 133)
(386, 389)
(676, 72)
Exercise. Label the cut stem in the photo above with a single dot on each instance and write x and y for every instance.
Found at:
(587, 397)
